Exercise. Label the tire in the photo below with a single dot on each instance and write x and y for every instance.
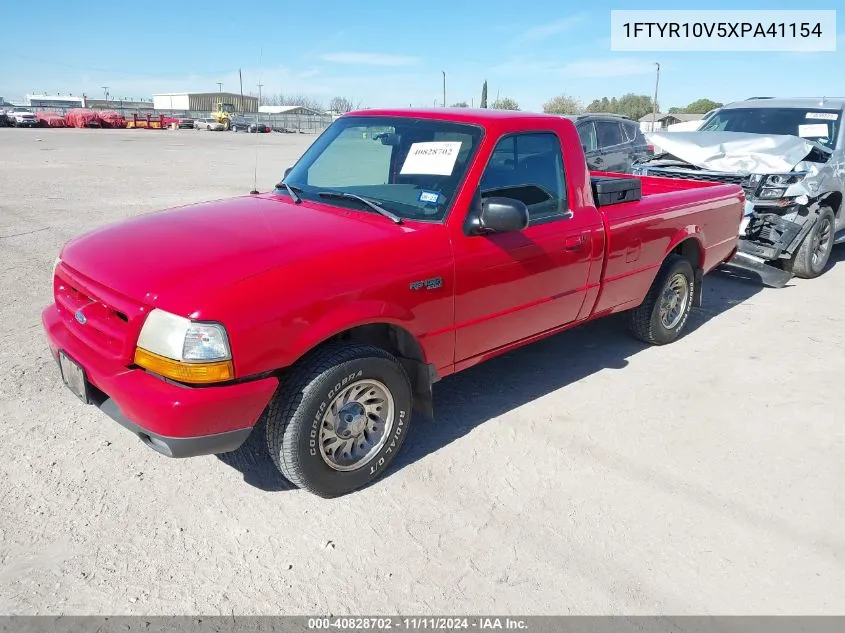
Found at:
(647, 321)
(810, 259)
(297, 430)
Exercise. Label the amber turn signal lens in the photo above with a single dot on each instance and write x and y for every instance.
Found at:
(195, 373)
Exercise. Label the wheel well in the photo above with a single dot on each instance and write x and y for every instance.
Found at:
(402, 344)
(834, 201)
(391, 338)
(691, 250)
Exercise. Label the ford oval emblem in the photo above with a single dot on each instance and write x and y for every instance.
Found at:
(80, 318)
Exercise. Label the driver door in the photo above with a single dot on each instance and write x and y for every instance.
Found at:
(510, 286)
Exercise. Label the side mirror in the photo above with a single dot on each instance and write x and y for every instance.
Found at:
(499, 215)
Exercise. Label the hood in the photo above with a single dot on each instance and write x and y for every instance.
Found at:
(737, 152)
(201, 248)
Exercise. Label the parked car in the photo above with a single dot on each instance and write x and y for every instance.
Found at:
(22, 117)
(610, 142)
(787, 154)
(242, 124)
(208, 123)
(278, 308)
(181, 122)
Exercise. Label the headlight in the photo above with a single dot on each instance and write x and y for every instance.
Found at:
(187, 351)
(783, 180)
(772, 194)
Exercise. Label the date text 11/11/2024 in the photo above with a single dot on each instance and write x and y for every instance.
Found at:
(416, 623)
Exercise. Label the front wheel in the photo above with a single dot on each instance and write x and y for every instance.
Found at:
(661, 317)
(812, 256)
(339, 418)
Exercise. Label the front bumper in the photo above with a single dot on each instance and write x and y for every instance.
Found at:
(173, 419)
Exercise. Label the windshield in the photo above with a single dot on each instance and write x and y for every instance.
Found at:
(411, 167)
(815, 124)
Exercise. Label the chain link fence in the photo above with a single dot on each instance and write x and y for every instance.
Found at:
(289, 123)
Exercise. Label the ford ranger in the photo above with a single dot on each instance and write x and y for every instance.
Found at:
(402, 247)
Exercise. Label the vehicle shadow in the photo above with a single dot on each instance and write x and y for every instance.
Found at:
(468, 399)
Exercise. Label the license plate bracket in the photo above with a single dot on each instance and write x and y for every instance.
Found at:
(73, 375)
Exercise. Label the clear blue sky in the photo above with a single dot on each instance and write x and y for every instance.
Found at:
(381, 52)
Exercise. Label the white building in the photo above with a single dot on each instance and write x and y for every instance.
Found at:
(56, 101)
(203, 101)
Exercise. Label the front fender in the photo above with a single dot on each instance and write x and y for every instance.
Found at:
(342, 318)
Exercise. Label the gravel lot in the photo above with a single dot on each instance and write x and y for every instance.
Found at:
(583, 474)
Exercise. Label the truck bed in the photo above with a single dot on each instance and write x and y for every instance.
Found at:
(640, 232)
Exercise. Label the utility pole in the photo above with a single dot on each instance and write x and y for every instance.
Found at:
(105, 91)
(219, 86)
(654, 105)
(260, 86)
(444, 87)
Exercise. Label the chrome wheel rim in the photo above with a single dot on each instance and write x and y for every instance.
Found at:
(673, 301)
(821, 242)
(356, 425)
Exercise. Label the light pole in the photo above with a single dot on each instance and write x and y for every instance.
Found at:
(654, 105)
(444, 87)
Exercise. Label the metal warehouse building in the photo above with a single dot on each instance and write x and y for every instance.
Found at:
(203, 101)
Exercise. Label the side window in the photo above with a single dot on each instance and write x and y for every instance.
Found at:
(336, 167)
(632, 132)
(528, 167)
(609, 133)
(587, 132)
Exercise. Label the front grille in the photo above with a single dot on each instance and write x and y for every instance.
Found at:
(708, 176)
(109, 324)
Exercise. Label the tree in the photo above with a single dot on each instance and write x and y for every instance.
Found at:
(702, 106)
(563, 104)
(630, 105)
(460, 104)
(484, 95)
(505, 103)
(342, 104)
(292, 100)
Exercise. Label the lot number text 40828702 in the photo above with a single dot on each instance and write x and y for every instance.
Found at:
(416, 623)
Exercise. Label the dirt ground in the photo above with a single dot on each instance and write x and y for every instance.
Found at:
(583, 474)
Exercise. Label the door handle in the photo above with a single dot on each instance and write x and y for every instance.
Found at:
(575, 242)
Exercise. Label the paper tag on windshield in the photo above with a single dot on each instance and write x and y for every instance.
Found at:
(813, 129)
(436, 158)
(824, 116)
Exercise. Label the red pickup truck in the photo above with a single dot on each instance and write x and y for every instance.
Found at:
(403, 246)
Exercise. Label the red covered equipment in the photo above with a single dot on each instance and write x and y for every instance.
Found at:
(82, 117)
(50, 119)
(112, 119)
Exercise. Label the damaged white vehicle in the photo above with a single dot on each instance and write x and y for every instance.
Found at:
(788, 155)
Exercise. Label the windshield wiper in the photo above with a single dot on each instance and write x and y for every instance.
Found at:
(353, 196)
(293, 191)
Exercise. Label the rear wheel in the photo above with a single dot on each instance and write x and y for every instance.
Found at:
(661, 317)
(339, 418)
(810, 259)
